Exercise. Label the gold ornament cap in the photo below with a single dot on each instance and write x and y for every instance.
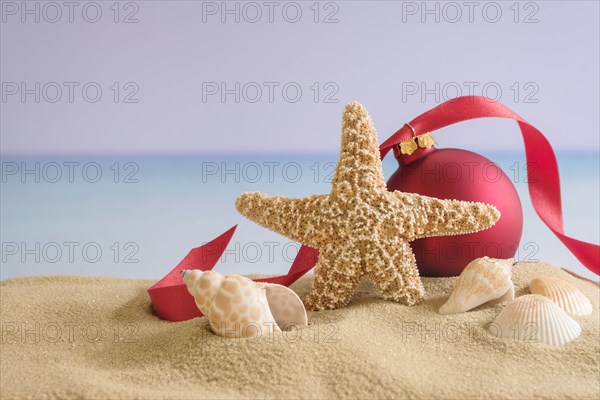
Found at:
(409, 146)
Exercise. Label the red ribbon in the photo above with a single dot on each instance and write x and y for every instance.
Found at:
(544, 190)
(173, 302)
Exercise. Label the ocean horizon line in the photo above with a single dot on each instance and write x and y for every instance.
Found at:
(245, 155)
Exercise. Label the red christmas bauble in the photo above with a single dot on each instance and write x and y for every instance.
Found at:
(461, 175)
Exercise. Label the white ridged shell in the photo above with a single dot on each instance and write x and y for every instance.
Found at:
(567, 296)
(535, 319)
(483, 279)
(239, 307)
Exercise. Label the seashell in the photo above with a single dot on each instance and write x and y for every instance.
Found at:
(239, 307)
(567, 296)
(535, 318)
(483, 279)
(286, 307)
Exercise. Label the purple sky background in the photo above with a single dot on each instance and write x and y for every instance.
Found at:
(548, 73)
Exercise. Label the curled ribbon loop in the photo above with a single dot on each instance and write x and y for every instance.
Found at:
(544, 190)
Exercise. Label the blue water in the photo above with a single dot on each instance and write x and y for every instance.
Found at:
(141, 216)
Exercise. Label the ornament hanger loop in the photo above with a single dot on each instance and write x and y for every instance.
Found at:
(412, 129)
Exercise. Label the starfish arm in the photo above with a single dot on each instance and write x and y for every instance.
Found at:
(437, 217)
(337, 274)
(301, 219)
(392, 267)
(359, 164)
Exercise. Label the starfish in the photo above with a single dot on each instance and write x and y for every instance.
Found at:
(360, 228)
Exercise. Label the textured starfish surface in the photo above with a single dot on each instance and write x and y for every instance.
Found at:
(361, 228)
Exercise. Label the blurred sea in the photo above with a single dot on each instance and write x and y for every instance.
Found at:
(139, 216)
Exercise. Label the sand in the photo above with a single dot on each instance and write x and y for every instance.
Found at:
(81, 337)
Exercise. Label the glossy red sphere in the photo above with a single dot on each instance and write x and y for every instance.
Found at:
(462, 175)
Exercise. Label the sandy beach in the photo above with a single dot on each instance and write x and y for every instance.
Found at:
(82, 337)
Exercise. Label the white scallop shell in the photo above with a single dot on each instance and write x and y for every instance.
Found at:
(567, 296)
(483, 279)
(239, 307)
(536, 319)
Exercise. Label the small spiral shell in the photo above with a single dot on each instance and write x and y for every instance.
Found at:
(239, 307)
(484, 279)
